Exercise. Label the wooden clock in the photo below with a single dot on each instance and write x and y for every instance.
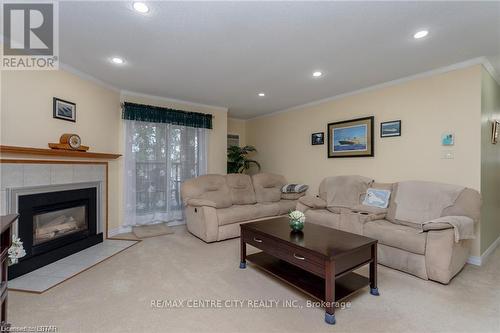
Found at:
(69, 141)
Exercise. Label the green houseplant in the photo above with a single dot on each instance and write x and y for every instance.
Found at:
(237, 161)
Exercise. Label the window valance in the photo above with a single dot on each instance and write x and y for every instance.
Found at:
(156, 114)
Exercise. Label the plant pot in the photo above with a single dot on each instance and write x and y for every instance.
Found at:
(296, 225)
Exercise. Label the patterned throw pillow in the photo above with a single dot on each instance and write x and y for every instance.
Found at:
(377, 198)
(294, 188)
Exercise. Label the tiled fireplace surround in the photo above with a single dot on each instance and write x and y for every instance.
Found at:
(30, 176)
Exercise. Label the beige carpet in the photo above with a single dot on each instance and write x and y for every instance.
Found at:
(153, 230)
(116, 296)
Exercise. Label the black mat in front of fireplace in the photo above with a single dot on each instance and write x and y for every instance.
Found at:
(54, 225)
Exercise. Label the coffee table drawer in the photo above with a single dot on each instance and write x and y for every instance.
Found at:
(296, 256)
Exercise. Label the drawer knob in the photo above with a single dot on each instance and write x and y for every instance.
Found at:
(296, 256)
(257, 240)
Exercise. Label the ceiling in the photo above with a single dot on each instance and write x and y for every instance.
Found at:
(224, 53)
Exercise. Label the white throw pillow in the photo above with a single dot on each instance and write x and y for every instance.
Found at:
(377, 198)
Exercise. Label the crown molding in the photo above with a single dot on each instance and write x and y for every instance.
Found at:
(464, 64)
(85, 76)
(124, 93)
(236, 118)
(491, 70)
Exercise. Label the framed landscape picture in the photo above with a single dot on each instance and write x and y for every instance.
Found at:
(390, 128)
(351, 138)
(63, 109)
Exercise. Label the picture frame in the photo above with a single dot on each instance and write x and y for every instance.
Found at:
(495, 128)
(351, 138)
(318, 138)
(63, 110)
(448, 139)
(390, 128)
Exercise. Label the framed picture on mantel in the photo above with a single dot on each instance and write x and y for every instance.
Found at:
(351, 138)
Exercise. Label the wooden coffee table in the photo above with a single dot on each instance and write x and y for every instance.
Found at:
(319, 260)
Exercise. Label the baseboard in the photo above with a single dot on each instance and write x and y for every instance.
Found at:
(119, 230)
(125, 229)
(474, 260)
(479, 260)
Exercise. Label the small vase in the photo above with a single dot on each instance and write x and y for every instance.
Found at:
(296, 225)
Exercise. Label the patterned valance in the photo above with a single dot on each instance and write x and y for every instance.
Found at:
(156, 114)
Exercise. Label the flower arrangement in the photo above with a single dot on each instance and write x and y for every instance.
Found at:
(297, 219)
(16, 251)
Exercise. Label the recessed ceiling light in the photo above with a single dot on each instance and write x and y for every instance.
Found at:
(117, 60)
(261, 94)
(317, 74)
(140, 7)
(420, 34)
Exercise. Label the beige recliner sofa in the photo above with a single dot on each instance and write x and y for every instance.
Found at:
(427, 250)
(215, 205)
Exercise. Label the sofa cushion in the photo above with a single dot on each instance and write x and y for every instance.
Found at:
(241, 189)
(396, 235)
(286, 206)
(323, 217)
(313, 202)
(240, 213)
(292, 196)
(209, 187)
(268, 186)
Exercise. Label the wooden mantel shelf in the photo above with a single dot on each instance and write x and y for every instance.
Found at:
(56, 152)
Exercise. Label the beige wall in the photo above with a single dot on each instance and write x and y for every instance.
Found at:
(26, 117)
(26, 120)
(490, 162)
(237, 126)
(427, 107)
(26, 110)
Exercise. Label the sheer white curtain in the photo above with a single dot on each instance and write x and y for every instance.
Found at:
(158, 157)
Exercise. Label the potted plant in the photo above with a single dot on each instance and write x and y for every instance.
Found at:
(237, 161)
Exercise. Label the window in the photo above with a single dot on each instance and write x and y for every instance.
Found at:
(158, 158)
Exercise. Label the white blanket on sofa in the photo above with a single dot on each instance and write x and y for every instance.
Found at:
(418, 202)
(345, 191)
(462, 225)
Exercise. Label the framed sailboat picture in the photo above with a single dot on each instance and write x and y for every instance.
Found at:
(351, 138)
(63, 109)
(390, 128)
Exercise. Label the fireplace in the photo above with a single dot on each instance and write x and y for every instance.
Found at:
(54, 225)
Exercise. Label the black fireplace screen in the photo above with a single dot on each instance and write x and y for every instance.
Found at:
(59, 223)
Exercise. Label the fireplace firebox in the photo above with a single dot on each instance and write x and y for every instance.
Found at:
(54, 225)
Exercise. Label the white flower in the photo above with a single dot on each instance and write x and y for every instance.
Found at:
(16, 251)
(297, 215)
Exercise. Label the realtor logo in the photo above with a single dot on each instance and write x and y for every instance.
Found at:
(30, 36)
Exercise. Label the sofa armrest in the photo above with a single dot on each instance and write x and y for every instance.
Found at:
(202, 222)
(444, 257)
(201, 203)
(312, 202)
(436, 226)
